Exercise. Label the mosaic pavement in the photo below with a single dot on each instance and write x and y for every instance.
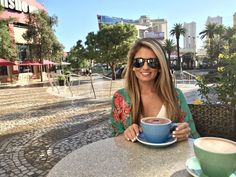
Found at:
(38, 129)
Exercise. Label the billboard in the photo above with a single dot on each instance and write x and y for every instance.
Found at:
(111, 20)
(17, 5)
(154, 34)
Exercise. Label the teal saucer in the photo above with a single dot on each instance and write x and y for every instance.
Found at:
(141, 138)
(193, 167)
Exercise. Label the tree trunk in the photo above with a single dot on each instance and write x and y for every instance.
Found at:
(169, 59)
(10, 72)
(113, 72)
(41, 73)
(41, 61)
(178, 63)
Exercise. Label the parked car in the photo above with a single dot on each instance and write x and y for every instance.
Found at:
(119, 73)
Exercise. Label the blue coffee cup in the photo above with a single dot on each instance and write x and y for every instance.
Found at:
(157, 130)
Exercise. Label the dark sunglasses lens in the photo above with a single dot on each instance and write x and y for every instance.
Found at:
(153, 63)
(138, 62)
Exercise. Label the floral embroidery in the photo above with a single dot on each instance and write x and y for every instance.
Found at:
(116, 133)
(121, 116)
(121, 108)
(182, 116)
(118, 100)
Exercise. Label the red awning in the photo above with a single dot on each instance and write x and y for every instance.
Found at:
(4, 62)
(29, 63)
(47, 62)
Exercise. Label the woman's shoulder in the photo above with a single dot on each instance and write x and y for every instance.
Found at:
(178, 91)
(122, 93)
(180, 94)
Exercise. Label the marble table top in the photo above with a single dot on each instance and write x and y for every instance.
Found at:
(119, 157)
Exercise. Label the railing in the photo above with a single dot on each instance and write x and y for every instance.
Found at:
(186, 78)
(94, 85)
(190, 76)
(97, 74)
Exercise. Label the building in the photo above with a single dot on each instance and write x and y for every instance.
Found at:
(217, 20)
(18, 10)
(189, 39)
(154, 28)
(234, 20)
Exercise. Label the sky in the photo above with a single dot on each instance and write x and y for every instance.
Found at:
(76, 18)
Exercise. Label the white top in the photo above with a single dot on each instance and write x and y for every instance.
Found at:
(162, 113)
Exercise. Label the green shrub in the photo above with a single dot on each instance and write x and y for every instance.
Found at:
(61, 77)
(225, 82)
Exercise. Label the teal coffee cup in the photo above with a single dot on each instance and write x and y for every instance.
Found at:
(157, 130)
(217, 156)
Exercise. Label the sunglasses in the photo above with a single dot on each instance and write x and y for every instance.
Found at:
(152, 62)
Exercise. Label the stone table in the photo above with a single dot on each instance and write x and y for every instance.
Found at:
(119, 157)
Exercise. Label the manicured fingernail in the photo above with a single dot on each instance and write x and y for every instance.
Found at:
(173, 135)
(177, 129)
(174, 132)
(133, 139)
(137, 134)
(128, 139)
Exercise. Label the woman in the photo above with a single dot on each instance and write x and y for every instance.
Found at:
(149, 92)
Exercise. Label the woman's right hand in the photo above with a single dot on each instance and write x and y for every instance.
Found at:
(132, 132)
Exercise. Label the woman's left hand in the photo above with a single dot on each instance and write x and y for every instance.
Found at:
(182, 132)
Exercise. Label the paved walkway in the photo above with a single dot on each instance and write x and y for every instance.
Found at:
(38, 126)
(38, 129)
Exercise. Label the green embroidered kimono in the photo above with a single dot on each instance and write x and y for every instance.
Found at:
(121, 115)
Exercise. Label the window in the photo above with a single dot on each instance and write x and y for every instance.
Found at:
(3, 70)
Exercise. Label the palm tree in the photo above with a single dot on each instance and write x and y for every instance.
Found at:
(220, 42)
(228, 36)
(177, 31)
(220, 30)
(169, 46)
(209, 32)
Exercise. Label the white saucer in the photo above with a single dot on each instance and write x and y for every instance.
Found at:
(194, 168)
(141, 138)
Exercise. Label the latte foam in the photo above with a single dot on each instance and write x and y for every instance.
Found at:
(217, 145)
(156, 121)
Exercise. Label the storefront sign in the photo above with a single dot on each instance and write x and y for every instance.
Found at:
(17, 5)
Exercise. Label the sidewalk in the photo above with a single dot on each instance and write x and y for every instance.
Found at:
(105, 89)
(190, 92)
(39, 128)
(31, 83)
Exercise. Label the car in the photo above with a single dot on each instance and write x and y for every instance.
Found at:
(119, 73)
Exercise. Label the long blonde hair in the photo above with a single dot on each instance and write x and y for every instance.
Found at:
(163, 84)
